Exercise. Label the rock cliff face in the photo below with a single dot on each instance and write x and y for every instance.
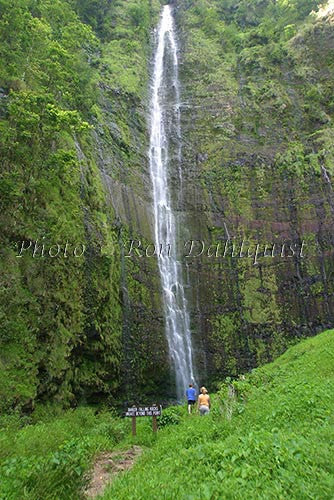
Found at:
(256, 205)
(257, 111)
(257, 128)
(73, 118)
(121, 140)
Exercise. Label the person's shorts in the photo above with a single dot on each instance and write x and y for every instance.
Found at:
(204, 410)
(191, 402)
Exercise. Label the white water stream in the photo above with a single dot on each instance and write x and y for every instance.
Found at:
(165, 223)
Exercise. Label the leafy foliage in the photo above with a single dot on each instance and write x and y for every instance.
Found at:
(51, 458)
(170, 416)
(60, 305)
(269, 431)
(277, 443)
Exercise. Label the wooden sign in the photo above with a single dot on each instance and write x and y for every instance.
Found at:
(144, 411)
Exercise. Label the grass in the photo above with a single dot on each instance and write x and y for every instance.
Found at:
(272, 440)
(278, 444)
(48, 460)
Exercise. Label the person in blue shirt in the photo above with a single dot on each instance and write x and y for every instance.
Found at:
(191, 397)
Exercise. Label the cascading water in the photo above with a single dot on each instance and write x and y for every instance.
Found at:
(165, 224)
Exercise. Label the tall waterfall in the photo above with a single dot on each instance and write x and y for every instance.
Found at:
(165, 114)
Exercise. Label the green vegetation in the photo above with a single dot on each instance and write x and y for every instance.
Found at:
(73, 84)
(257, 111)
(269, 435)
(257, 119)
(275, 440)
(81, 324)
(48, 457)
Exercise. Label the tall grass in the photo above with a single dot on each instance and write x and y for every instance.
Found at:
(270, 435)
(278, 443)
(48, 460)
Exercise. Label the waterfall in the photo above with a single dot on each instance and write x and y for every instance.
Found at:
(177, 321)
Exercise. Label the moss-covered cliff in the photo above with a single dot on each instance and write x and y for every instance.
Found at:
(258, 161)
(78, 321)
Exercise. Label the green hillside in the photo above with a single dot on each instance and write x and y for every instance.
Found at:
(273, 440)
(278, 443)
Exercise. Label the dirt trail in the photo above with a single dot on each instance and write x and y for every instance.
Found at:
(106, 466)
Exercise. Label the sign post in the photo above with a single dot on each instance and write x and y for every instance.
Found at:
(154, 424)
(144, 411)
(134, 429)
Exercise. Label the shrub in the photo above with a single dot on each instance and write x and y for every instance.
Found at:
(170, 416)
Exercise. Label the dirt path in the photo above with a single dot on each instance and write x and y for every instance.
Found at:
(107, 465)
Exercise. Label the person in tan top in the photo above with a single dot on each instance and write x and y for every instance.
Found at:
(204, 403)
